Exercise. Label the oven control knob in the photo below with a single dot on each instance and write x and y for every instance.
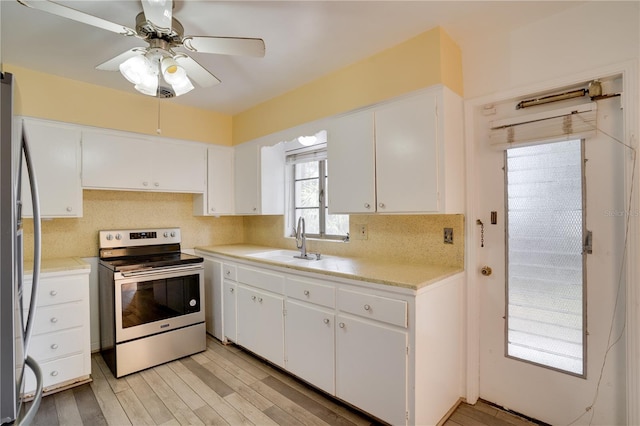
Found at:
(166, 235)
(109, 237)
(192, 302)
(118, 237)
(173, 234)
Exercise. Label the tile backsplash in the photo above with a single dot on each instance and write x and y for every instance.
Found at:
(410, 238)
(404, 238)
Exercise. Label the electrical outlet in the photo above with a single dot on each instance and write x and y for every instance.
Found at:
(448, 235)
(363, 232)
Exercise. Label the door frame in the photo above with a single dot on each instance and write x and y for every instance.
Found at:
(631, 113)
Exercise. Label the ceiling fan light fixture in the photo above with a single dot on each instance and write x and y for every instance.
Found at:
(136, 69)
(149, 86)
(182, 86)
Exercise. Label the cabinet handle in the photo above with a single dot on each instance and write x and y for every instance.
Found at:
(253, 298)
(341, 325)
(306, 292)
(231, 290)
(228, 273)
(326, 321)
(156, 184)
(54, 373)
(213, 209)
(69, 209)
(367, 205)
(260, 299)
(255, 209)
(53, 292)
(54, 320)
(145, 183)
(381, 205)
(54, 346)
(367, 307)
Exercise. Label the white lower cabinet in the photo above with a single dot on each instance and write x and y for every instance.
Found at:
(260, 323)
(60, 344)
(371, 368)
(392, 352)
(213, 297)
(310, 347)
(229, 289)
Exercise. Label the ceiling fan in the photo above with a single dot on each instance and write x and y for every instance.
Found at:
(147, 67)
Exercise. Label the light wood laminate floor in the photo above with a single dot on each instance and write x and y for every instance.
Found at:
(222, 386)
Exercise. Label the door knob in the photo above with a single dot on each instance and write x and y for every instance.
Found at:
(486, 271)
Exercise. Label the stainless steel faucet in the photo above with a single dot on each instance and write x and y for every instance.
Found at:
(301, 239)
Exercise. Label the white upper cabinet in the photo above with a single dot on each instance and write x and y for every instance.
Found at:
(55, 152)
(404, 156)
(219, 197)
(115, 161)
(259, 179)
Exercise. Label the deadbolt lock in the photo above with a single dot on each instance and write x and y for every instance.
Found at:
(486, 271)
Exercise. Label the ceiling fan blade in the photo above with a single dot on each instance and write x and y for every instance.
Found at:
(197, 72)
(225, 45)
(76, 15)
(114, 63)
(158, 12)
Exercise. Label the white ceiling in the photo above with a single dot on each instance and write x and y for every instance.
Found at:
(304, 39)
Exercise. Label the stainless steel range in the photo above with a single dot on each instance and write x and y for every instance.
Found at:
(151, 299)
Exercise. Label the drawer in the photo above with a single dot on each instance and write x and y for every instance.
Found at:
(58, 371)
(229, 272)
(55, 290)
(311, 291)
(58, 317)
(261, 279)
(384, 309)
(59, 344)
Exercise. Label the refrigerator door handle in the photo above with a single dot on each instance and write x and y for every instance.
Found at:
(29, 415)
(35, 200)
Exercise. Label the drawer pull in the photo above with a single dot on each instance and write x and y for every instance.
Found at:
(341, 325)
(231, 290)
(367, 307)
(53, 292)
(253, 298)
(260, 299)
(306, 292)
(54, 320)
(228, 272)
(381, 205)
(54, 346)
(367, 205)
(54, 373)
(326, 321)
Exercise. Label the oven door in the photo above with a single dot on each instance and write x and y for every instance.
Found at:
(155, 301)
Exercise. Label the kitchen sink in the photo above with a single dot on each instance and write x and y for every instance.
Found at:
(281, 256)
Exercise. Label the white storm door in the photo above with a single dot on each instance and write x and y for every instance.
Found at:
(537, 391)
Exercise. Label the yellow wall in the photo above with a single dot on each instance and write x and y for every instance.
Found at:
(427, 59)
(61, 99)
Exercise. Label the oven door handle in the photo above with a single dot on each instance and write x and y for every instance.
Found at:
(153, 271)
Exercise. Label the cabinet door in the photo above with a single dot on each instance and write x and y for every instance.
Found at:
(178, 167)
(220, 180)
(271, 194)
(115, 162)
(371, 368)
(229, 310)
(351, 158)
(407, 155)
(310, 345)
(246, 172)
(213, 297)
(260, 323)
(55, 152)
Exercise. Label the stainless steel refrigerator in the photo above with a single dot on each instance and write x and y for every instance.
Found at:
(15, 322)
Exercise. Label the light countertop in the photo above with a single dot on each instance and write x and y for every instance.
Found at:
(57, 265)
(407, 275)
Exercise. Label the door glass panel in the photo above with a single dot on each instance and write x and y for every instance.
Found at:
(545, 260)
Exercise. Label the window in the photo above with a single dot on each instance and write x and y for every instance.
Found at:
(308, 186)
(545, 259)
